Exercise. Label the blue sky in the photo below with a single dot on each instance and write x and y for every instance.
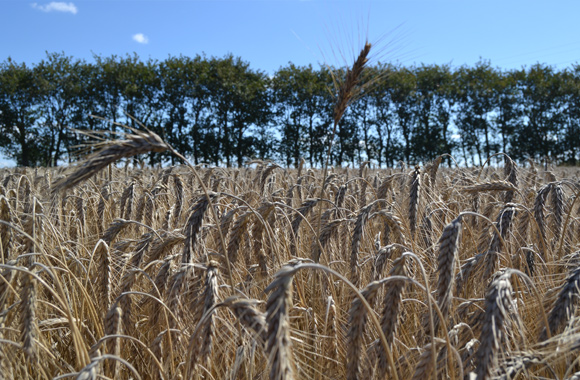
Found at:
(269, 34)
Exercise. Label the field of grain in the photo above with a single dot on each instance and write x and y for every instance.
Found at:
(266, 272)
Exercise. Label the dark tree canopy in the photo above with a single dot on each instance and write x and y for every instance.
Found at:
(221, 111)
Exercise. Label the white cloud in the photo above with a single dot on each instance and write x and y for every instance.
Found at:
(56, 6)
(141, 38)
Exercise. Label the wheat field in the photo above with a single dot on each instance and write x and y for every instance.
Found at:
(422, 272)
(266, 272)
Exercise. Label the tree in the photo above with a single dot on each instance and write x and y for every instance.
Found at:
(571, 137)
(432, 110)
(20, 139)
(300, 94)
(384, 145)
(476, 104)
(404, 85)
(107, 91)
(540, 134)
(361, 111)
(240, 99)
(507, 113)
(61, 84)
(186, 102)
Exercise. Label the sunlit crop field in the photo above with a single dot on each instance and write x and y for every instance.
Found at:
(261, 272)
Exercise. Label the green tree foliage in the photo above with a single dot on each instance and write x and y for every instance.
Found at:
(240, 99)
(507, 112)
(541, 132)
(476, 103)
(19, 112)
(186, 100)
(300, 98)
(382, 139)
(404, 85)
(223, 112)
(61, 85)
(432, 108)
(571, 138)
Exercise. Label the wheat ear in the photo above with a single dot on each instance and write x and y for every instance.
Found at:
(134, 144)
(448, 244)
(5, 230)
(248, 315)
(179, 197)
(357, 235)
(498, 303)
(357, 319)
(348, 89)
(278, 346)
(539, 203)
(103, 258)
(193, 226)
(392, 303)
(326, 233)
(200, 343)
(503, 224)
(508, 187)
(510, 172)
(239, 228)
(113, 326)
(29, 322)
(564, 306)
(425, 367)
(558, 204)
(414, 195)
(303, 211)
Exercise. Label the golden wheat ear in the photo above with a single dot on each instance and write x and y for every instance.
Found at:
(136, 143)
(348, 90)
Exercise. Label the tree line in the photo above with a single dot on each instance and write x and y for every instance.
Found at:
(221, 111)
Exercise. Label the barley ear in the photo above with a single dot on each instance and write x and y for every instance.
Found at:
(113, 326)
